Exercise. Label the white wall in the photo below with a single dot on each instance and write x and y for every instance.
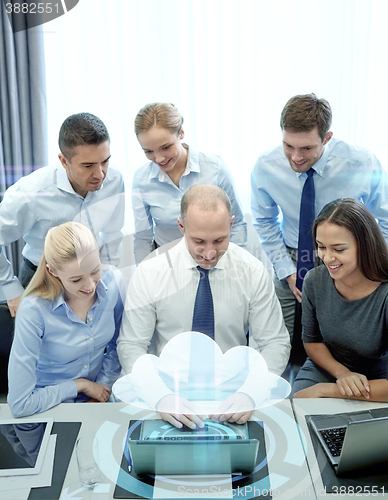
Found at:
(228, 65)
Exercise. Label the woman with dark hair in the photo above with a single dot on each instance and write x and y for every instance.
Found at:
(345, 307)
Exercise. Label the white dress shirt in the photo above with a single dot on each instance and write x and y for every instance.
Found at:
(161, 297)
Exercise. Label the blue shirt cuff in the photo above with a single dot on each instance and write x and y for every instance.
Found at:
(13, 289)
(284, 268)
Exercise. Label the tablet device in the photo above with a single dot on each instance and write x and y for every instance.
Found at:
(218, 448)
(23, 445)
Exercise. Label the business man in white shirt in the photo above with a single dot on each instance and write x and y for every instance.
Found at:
(162, 293)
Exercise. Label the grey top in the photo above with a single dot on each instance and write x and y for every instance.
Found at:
(355, 331)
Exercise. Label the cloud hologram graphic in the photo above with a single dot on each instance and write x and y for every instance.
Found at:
(192, 366)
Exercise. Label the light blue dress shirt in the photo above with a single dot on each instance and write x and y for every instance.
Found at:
(156, 200)
(45, 199)
(343, 171)
(53, 347)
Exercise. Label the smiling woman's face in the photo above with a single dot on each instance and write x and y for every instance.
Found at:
(338, 249)
(80, 278)
(162, 147)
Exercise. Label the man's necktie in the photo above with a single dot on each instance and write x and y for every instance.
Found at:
(306, 220)
(203, 317)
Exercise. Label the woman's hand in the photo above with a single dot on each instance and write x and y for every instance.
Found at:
(349, 384)
(353, 384)
(97, 392)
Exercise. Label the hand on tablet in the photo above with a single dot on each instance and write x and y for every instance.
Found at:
(237, 408)
(185, 412)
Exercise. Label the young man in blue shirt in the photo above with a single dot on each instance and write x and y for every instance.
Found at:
(278, 178)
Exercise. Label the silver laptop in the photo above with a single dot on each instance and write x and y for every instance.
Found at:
(353, 441)
(218, 448)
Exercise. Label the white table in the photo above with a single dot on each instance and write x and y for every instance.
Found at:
(312, 406)
(288, 473)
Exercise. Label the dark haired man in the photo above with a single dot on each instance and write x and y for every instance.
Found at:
(80, 188)
(322, 170)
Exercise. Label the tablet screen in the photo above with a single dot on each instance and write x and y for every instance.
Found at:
(23, 446)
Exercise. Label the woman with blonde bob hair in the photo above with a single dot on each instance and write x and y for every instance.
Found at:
(173, 168)
(345, 307)
(66, 327)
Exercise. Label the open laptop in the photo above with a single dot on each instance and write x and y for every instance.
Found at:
(353, 441)
(157, 447)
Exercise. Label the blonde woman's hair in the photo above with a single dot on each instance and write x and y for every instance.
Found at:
(158, 114)
(63, 244)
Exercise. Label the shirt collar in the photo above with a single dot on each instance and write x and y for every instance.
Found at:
(191, 166)
(189, 262)
(100, 291)
(63, 184)
(193, 160)
(320, 165)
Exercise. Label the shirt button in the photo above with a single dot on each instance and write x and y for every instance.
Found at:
(91, 339)
(90, 319)
(85, 366)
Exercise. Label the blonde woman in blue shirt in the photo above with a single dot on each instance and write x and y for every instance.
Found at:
(173, 168)
(66, 328)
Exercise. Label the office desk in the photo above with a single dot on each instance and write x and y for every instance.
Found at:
(303, 407)
(288, 472)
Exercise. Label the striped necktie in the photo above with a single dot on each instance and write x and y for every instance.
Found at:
(203, 316)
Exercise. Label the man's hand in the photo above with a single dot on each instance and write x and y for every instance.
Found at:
(237, 408)
(185, 412)
(97, 392)
(13, 305)
(291, 280)
(353, 384)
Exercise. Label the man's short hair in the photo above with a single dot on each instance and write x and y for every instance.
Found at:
(207, 197)
(302, 113)
(81, 129)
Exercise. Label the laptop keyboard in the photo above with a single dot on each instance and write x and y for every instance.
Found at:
(334, 439)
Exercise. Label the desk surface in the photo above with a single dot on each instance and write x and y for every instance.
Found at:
(304, 407)
(288, 472)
